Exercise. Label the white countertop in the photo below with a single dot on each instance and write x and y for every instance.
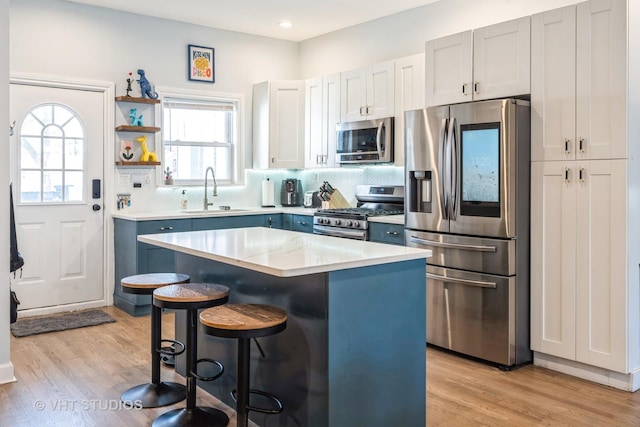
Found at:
(214, 212)
(282, 253)
(199, 213)
(388, 219)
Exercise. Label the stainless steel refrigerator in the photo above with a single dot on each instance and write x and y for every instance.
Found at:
(467, 199)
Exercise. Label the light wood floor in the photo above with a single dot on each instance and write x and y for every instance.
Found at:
(84, 371)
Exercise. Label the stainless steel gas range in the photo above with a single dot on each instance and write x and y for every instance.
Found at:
(352, 223)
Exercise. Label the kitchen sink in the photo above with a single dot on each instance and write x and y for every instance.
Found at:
(212, 211)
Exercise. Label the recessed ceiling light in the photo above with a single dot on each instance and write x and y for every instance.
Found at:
(285, 24)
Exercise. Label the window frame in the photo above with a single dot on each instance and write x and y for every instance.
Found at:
(237, 146)
(63, 169)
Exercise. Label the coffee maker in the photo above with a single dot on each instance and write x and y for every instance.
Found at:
(291, 192)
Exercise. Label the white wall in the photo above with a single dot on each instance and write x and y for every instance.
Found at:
(405, 33)
(70, 40)
(6, 368)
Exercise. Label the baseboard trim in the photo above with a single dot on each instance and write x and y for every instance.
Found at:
(7, 373)
(60, 308)
(627, 382)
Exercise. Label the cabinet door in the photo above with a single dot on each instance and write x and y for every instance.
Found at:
(303, 223)
(553, 84)
(353, 97)
(386, 233)
(313, 123)
(330, 117)
(286, 124)
(553, 259)
(602, 264)
(380, 89)
(601, 79)
(448, 69)
(409, 95)
(501, 59)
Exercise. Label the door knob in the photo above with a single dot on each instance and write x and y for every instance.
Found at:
(96, 207)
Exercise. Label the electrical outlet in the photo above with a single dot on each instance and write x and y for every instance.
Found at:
(147, 179)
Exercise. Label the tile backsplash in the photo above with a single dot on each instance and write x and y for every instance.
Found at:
(167, 198)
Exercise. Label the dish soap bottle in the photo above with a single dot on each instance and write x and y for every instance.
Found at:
(183, 202)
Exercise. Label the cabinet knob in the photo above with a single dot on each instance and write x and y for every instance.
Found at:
(567, 143)
(464, 89)
(567, 175)
(581, 145)
(475, 87)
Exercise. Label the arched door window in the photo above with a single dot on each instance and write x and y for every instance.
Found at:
(52, 156)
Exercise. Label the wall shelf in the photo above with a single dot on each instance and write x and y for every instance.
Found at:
(137, 100)
(138, 164)
(129, 128)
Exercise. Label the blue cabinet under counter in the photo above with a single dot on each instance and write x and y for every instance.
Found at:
(386, 233)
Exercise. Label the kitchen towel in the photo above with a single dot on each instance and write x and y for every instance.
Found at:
(268, 194)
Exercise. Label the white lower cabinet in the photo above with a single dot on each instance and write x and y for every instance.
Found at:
(579, 261)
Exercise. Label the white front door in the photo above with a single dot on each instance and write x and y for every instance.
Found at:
(56, 156)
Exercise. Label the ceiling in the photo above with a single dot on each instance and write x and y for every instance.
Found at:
(310, 18)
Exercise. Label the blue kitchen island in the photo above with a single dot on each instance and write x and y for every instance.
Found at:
(353, 352)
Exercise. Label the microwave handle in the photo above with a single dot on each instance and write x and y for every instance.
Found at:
(379, 144)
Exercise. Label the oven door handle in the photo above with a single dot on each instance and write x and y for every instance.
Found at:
(476, 283)
(330, 231)
(476, 248)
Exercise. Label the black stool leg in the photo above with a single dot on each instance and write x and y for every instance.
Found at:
(242, 381)
(192, 415)
(157, 393)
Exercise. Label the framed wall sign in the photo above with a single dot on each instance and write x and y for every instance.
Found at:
(200, 63)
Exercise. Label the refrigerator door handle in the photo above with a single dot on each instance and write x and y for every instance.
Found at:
(444, 199)
(453, 147)
(476, 283)
(379, 145)
(475, 248)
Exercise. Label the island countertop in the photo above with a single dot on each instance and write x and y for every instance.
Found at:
(282, 253)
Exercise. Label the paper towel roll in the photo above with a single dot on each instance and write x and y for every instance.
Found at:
(268, 194)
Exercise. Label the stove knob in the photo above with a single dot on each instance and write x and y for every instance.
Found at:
(356, 224)
(323, 221)
(347, 223)
(336, 222)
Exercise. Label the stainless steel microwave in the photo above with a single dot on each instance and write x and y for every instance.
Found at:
(366, 141)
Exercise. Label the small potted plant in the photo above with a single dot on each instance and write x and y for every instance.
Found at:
(168, 179)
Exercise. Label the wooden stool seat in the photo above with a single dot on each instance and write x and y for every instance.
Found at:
(244, 322)
(238, 320)
(147, 283)
(191, 292)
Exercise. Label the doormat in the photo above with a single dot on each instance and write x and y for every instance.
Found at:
(60, 322)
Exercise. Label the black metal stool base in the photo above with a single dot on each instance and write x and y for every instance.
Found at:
(198, 416)
(154, 395)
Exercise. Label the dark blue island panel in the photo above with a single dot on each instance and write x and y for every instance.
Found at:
(353, 353)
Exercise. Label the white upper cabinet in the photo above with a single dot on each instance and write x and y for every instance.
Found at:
(449, 69)
(578, 90)
(278, 124)
(409, 95)
(601, 79)
(486, 63)
(322, 113)
(367, 93)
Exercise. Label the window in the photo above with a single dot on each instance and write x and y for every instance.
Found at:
(199, 133)
(52, 161)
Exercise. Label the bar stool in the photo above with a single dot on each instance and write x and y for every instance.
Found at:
(245, 321)
(156, 393)
(192, 297)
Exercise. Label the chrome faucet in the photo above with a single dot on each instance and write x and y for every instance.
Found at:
(215, 188)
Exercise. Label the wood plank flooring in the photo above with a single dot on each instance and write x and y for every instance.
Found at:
(78, 376)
